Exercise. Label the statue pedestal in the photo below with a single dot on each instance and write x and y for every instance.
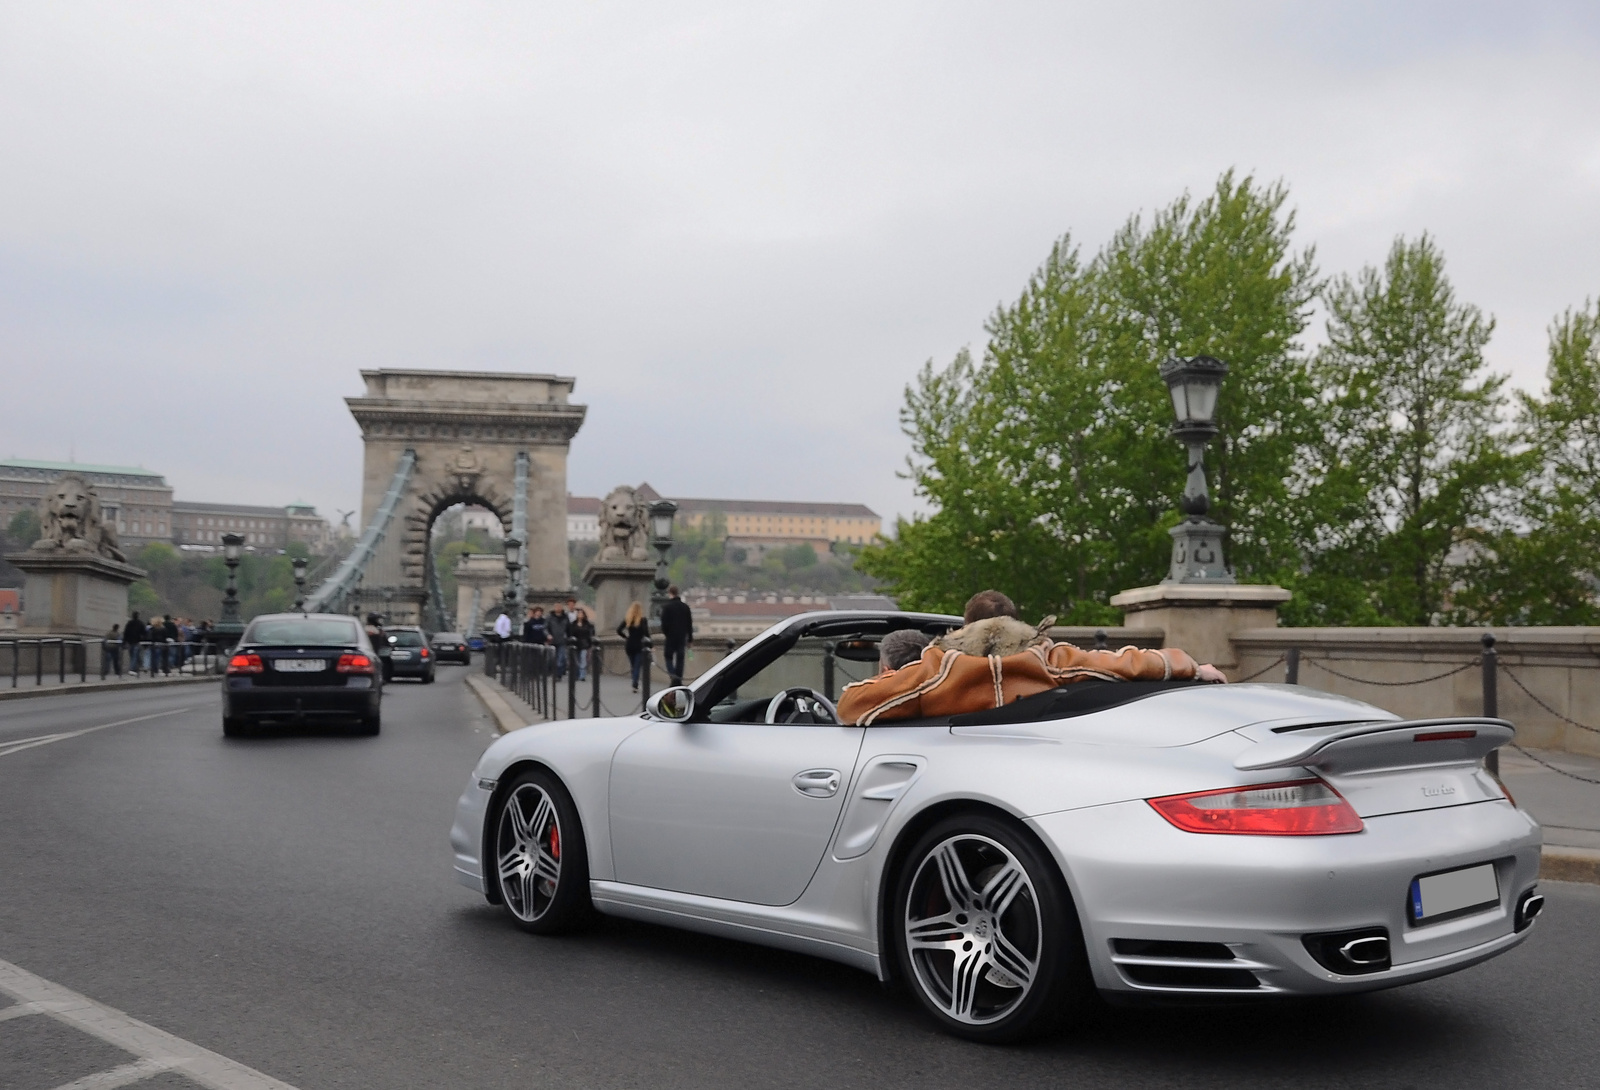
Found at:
(1201, 618)
(617, 584)
(73, 594)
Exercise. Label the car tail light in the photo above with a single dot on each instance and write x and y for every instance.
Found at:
(354, 664)
(1294, 808)
(425, 653)
(244, 664)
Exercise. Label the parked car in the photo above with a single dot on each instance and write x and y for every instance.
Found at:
(451, 647)
(476, 643)
(410, 654)
(1156, 840)
(297, 668)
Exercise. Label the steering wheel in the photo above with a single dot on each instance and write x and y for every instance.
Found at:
(801, 705)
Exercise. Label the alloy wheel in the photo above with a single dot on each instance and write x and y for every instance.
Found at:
(528, 850)
(973, 929)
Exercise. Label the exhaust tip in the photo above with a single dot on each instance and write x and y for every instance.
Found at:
(1528, 909)
(1350, 953)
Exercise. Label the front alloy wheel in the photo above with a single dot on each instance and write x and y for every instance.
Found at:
(988, 938)
(540, 859)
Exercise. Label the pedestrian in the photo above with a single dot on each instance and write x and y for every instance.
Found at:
(677, 629)
(533, 629)
(502, 627)
(111, 648)
(169, 643)
(132, 637)
(635, 632)
(581, 633)
(557, 625)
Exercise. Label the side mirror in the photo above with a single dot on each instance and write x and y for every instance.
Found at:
(675, 705)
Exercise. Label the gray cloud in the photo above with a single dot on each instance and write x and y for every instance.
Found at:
(741, 229)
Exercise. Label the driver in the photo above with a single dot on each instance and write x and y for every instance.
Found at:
(996, 658)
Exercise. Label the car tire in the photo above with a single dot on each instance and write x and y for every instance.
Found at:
(371, 724)
(233, 727)
(427, 679)
(544, 891)
(985, 934)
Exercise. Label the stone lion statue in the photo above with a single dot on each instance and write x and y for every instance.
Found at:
(623, 526)
(72, 521)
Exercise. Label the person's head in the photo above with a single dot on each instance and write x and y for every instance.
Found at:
(635, 615)
(135, 615)
(583, 614)
(115, 629)
(988, 603)
(901, 647)
(672, 591)
(572, 604)
(536, 612)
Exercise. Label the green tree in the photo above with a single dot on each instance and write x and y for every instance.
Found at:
(24, 528)
(1416, 467)
(1544, 570)
(1048, 464)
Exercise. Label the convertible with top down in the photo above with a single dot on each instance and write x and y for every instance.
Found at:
(1140, 839)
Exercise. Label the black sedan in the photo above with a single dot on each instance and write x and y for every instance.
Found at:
(301, 668)
(409, 653)
(451, 647)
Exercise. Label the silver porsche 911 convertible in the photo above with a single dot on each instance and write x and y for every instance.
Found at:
(1142, 839)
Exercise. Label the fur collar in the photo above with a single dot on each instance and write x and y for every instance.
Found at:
(1000, 636)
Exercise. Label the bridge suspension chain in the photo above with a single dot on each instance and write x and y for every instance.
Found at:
(334, 595)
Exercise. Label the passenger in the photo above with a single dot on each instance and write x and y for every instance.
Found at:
(993, 659)
(901, 648)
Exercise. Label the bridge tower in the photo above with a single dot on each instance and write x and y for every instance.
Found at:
(433, 439)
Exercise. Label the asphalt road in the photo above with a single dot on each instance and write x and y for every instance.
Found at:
(288, 903)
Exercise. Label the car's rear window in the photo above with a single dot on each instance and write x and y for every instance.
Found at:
(302, 630)
(407, 639)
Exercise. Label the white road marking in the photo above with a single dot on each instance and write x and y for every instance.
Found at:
(137, 1071)
(16, 745)
(153, 1046)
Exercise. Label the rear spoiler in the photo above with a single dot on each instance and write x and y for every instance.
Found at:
(1363, 747)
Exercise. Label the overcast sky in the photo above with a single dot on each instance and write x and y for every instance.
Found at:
(742, 227)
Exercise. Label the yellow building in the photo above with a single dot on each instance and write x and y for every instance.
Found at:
(771, 523)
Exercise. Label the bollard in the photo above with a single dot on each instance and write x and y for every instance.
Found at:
(1491, 695)
(644, 675)
(1099, 639)
(1291, 669)
(572, 686)
(595, 666)
(38, 662)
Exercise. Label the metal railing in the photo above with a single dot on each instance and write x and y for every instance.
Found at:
(67, 657)
(530, 670)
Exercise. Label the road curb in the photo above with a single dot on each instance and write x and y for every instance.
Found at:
(496, 700)
(106, 686)
(1570, 865)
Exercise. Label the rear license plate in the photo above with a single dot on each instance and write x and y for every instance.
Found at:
(1454, 893)
(399, 655)
(299, 666)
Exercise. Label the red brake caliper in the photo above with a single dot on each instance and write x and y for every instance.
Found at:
(555, 843)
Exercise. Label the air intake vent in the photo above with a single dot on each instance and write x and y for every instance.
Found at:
(1191, 976)
(1160, 948)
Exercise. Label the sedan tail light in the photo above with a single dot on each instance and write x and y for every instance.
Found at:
(1294, 808)
(425, 653)
(354, 664)
(244, 664)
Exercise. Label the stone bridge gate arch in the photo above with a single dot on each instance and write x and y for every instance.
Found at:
(497, 440)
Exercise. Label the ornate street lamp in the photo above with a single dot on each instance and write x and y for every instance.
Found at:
(388, 603)
(299, 565)
(230, 628)
(662, 513)
(1197, 540)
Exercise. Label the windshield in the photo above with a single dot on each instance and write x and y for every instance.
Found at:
(402, 638)
(811, 663)
(302, 630)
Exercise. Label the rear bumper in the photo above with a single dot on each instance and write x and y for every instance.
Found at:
(241, 700)
(1134, 877)
(409, 667)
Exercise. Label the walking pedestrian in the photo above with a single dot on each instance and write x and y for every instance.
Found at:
(132, 637)
(111, 648)
(635, 632)
(533, 629)
(502, 627)
(677, 629)
(169, 643)
(557, 625)
(581, 633)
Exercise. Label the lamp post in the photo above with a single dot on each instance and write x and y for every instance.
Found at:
(299, 565)
(230, 628)
(1197, 541)
(513, 565)
(661, 516)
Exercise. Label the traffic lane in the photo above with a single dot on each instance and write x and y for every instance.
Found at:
(292, 908)
(57, 712)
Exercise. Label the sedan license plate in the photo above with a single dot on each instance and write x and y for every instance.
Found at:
(399, 655)
(299, 666)
(1454, 893)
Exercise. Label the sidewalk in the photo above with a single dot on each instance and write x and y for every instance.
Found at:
(52, 686)
(616, 698)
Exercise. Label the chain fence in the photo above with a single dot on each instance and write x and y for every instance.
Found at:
(68, 659)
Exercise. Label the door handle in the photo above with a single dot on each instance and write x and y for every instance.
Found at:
(819, 783)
